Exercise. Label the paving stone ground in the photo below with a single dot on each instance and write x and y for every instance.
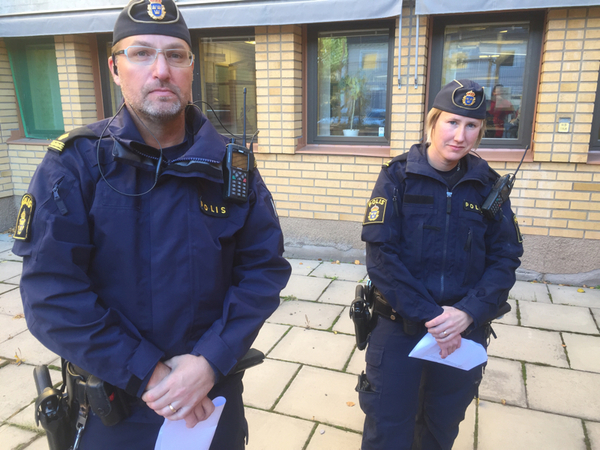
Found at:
(540, 388)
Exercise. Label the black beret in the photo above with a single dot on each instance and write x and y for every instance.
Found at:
(462, 97)
(151, 17)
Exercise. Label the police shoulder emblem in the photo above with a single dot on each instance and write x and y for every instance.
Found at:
(24, 218)
(375, 211)
(517, 229)
(156, 10)
(469, 99)
(213, 209)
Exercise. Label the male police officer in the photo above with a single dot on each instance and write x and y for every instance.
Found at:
(136, 269)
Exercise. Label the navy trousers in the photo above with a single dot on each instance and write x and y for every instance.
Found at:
(411, 404)
(140, 430)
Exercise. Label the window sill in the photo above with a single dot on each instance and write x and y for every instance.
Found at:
(593, 157)
(504, 154)
(379, 151)
(28, 141)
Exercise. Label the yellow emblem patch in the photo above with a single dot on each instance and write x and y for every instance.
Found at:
(213, 210)
(517, 229)
(469, 99)
(24, 218)
(468, 206)
(156, 10)
(375, 211)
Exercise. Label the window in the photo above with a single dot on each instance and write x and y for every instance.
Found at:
(595, 135)
(35, 74)
(226, 66)
(501, 54)
(111, 97)
(349, 75)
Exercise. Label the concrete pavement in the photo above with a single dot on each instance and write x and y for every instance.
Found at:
(540, 389)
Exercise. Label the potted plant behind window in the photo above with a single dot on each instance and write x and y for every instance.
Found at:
(354, 88)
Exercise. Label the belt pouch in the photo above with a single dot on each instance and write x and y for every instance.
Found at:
(106, 401)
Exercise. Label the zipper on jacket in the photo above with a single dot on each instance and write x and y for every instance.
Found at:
(395, 202)
(448, 211)
(59, 201)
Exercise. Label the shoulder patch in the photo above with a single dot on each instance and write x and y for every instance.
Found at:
(402, 157)
(58, 144)
(375, 211)
(24, 218)
(517, 229)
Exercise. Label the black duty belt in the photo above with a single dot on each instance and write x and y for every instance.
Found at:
(384, 309)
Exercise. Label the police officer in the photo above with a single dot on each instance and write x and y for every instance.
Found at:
(440, 266)
(136, 269)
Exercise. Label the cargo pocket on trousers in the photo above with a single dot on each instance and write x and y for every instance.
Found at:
(368, 395)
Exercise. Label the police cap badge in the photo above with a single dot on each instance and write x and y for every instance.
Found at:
(462, 97)
(151, 17)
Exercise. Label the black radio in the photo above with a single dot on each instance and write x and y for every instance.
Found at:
(239, 162)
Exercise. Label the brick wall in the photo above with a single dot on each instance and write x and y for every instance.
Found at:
(9, 121)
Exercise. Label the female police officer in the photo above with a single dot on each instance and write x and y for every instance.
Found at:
(439, 266)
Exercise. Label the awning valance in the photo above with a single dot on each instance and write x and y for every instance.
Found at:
(204, 14)
(430, 7)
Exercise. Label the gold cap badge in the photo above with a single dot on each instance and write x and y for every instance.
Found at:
(469, 99)
(156, 10)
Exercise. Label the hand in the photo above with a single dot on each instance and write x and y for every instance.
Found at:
(447, 327)
(184, 389)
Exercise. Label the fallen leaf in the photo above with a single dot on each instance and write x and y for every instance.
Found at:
(351, 404)
(357, 262)
(335, 332)
(503, 401)
(19, 316)
(300, 263)
(581, 290)
(337, 262)
(18, 361)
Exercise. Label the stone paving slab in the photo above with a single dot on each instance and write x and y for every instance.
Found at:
(13, 437)
(28, 348)
(5, 287)
(503, 427)
(583, 351)
(6, 243)
(564, 391)
(568, 295)
(329, 438)
(530, 292)
(557, 317)
(347, 272)
(264, 384)
(18, 389)
(303, 266)
(317, 348)
(306, 314)
(305, 288)
(268, 336)
(8, 255)
(9, 269)
(10, 303)
(10, 326)
(339, 292)
(344, 323)
(357, 363)
(40, 443)
(466, 430)
(511, 317)
(593, 431)
(322, 395)
(14, 280)
(276, 432)
(26, 417)
(503, 380)
(528, 344)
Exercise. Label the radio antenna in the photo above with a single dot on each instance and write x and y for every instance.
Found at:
(244, 141)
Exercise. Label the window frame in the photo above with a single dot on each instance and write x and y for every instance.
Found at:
(312, 32)
(594, 149)
(530, 76)
(26, 105)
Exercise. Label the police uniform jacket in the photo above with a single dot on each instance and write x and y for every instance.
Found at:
(115, 283)
(429, 245)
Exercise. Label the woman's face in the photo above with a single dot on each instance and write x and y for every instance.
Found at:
(453, 136)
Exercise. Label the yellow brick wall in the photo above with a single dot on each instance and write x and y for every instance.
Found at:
(9, 121)
(279, 87)
(76, 80)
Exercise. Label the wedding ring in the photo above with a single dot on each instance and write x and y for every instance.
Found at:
(172, 409)
(445, 332)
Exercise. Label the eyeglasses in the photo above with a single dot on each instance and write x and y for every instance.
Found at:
(145, 56)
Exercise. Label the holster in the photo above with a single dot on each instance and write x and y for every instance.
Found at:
(383, 308)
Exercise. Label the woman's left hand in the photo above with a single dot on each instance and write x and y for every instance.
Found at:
(447, 327)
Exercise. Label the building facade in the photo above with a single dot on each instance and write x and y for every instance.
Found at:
(333, 99)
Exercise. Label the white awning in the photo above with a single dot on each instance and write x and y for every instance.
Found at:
(200, 14)
(429, 7)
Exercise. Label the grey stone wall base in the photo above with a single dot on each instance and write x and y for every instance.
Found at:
(556, 260)
(8, 212)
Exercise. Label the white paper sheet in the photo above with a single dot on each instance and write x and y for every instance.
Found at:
(469, 355)
(174, 435)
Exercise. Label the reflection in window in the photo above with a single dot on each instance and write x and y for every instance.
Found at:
(493, 55)
(116, 97)
(227, 67)
(352, 83)
(34, 70)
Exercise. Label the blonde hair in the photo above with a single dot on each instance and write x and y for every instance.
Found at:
(431, 121)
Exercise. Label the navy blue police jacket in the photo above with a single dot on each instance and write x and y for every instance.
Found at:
(115, 283)
(429, 246)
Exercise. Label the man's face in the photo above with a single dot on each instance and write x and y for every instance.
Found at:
(158, 91)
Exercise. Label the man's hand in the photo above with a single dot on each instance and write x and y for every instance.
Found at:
(446, 329)
(182, 393)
